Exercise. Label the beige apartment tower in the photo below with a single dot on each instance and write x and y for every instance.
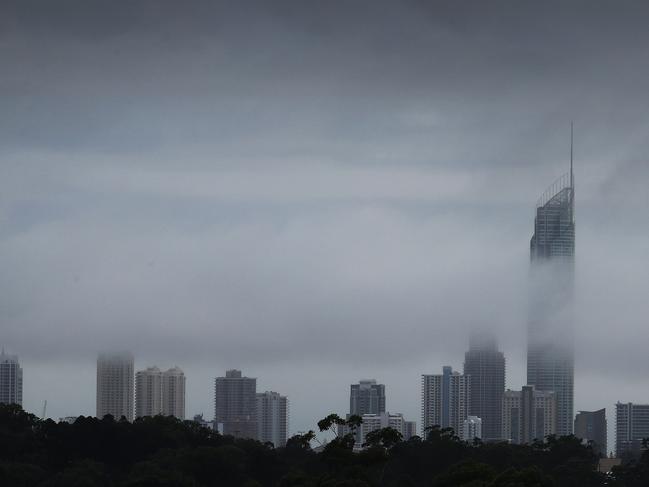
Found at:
(160, 393)
(148, 392)
(115, 385)
(173, 393)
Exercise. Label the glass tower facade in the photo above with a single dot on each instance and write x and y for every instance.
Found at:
(550, 352)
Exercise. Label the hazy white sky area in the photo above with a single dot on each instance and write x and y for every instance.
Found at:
(315, 192)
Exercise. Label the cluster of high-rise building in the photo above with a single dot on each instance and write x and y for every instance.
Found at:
(545, 404)
(367, 400)
(121, 392)
(241, 411)
(473, 404)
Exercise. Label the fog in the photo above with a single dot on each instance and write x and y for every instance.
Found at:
(315, 192)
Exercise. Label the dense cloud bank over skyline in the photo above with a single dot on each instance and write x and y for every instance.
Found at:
(314, 191)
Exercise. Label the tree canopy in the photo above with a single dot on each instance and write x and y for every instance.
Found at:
(164, 451)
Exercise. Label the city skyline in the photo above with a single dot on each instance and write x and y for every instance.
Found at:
(315, 194)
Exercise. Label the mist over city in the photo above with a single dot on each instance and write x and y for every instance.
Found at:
(319, 193)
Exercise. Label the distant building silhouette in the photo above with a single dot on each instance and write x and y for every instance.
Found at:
(486, 366)
(631, 427)
(11, 379)
(158, 392)
(115, 385)
(272, 418)
(529, 415)
(445, 400)
(591, 426)
(367, 397)
(235, 404)
(550, 352)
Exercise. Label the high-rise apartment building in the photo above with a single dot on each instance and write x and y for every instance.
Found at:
(590, 426)
(550, 352)
(173, 393)
(115, 380)
(148, 392)
(528, 415)
(367, 397)
(486, 366)
(631, 427)
(445, 400)
(235, 404)
(158, 392)
(272, 418)
(11, 379)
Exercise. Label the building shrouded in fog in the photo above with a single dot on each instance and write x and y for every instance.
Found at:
(115, 385)
(486, 366)
(11, 379)
(550, 352)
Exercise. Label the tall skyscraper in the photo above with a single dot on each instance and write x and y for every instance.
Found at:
(367, 397)
(631, 427)
(486, 366)
(272, 418)
(173, 393)
(11, 379)
(445, 400)
(148, 392)
(591, 426)
(235, 404)
(550, 352)
(528, 414)
(115, 385)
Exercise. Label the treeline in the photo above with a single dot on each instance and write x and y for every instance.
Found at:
(163, 451)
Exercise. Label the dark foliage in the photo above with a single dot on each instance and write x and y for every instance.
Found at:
(164, 451)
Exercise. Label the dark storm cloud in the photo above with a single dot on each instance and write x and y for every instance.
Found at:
(281, 186)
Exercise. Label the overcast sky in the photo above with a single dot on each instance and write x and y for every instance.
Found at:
(315, 192)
